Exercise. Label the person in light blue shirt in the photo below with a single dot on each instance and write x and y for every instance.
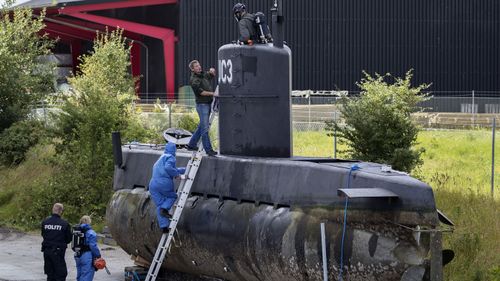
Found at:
(161, 185)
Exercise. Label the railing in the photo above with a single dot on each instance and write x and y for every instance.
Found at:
(439, 101)
(310, 109)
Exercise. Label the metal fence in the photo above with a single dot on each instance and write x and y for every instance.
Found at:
(311, 109)
(463, 102)
(305, 117)
(439, 101)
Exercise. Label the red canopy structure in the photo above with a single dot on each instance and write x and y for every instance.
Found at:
(76, 21)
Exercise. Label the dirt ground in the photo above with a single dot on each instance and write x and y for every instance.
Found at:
(21, 259)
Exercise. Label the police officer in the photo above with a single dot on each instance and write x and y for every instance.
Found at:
(248, 33)
(56, 234)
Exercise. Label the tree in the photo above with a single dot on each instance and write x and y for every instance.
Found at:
(101, 103)
(18, 139)
(378, 125)
(24, 80)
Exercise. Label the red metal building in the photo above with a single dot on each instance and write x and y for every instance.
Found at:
(75, 24)
(452, 44)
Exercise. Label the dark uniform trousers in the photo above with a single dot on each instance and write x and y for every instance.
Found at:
(56, 234)
(55, 265)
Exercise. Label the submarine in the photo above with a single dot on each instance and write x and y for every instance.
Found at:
(254, 211)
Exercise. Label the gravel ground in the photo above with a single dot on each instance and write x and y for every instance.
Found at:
(21, 259)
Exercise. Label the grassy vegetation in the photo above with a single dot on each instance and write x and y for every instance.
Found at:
(458, 167)
(457, 164)
(17, 185)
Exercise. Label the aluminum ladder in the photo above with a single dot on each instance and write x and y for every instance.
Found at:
(183, 194)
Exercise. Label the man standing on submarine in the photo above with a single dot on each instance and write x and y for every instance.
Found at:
(161, 185)
(201, 83)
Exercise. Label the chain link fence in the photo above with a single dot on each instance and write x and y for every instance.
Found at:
(311, 109)
(444, 109)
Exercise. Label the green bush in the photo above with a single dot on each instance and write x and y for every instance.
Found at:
(158, 106)
(136, 131)
(101, 103)
(378, 125)
(6, 196)
(189, 121)
(494, 274)
(154, 124)
(24, 79)
(17, 140)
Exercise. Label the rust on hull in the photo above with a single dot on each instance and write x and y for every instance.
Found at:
(243, 241)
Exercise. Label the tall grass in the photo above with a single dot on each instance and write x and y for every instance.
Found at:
(457, 164)
(17, 185)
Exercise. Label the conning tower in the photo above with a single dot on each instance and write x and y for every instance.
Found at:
(255, 86)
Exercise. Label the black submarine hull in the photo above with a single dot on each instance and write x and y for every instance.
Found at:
(256, 215)
(259, 219)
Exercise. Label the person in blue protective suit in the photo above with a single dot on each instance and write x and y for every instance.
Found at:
(85, 258)
(161, 185)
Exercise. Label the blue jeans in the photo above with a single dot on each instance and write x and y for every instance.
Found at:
(203, 110)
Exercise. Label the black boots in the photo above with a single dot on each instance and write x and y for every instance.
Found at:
(211, 153)
(192, 148)
(165, 213)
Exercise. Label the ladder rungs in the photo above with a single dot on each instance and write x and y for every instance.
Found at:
(183, 192)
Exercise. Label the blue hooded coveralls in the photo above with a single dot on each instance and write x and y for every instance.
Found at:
(85, 263)
(161, 185)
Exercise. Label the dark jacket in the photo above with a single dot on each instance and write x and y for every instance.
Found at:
(247, 28)
(56, 233)
(201, 82)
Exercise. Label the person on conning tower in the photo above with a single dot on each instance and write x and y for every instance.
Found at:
(247, 30)
(252, 27)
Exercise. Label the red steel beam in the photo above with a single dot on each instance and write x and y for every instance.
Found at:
(78, 27)
(83, 24)
(66, 35)
(76, 52)
(88, 35)
(95, 26)
(135, 59)
(139, 28)
(165, 34)
(113, 5)
(74, 40)
(56, 36)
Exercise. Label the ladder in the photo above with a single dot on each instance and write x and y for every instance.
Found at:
(183, 194)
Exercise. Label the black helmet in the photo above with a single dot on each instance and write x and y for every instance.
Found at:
(238, 9)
